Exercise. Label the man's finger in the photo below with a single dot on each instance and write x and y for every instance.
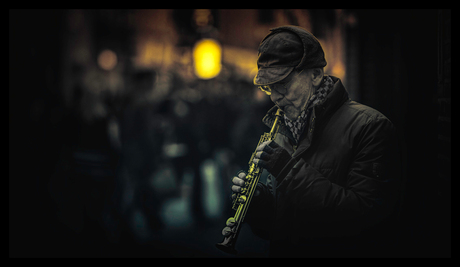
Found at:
(227, 231)
(263, 145)
(236, 188)
(269, 148)
(238, 181)
(261, 163)
(262, 155)
(273, 144)
(230, 222)
(241, 175)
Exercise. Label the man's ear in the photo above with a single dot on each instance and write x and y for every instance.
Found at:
(317, 76)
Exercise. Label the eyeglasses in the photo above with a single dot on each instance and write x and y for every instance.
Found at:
(282, 87)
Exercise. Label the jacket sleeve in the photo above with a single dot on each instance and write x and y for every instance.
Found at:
(324, 208)
(260, 213)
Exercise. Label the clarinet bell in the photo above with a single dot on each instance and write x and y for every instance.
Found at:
(227, 245)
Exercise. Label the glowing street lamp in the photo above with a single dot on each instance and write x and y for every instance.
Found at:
(207, 55)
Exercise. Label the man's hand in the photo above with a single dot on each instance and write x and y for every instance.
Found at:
(238, 184)
(272, 157)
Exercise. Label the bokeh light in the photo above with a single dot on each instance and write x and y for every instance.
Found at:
(107, 59)
(207, 55)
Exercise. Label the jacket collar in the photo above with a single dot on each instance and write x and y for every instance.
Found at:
(333, 101)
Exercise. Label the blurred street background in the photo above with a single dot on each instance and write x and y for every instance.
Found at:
(126, 126)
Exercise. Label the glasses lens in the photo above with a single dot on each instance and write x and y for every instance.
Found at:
(265, 89)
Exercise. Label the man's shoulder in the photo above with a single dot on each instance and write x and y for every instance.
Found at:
(364, 118)
(364, 112)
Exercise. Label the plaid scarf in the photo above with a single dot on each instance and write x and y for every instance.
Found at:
(320, 94)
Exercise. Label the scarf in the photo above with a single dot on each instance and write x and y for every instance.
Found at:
(320, 94)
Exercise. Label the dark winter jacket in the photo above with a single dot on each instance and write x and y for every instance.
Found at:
(339, 196)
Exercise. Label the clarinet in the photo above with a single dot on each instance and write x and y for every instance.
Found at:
(243, 198)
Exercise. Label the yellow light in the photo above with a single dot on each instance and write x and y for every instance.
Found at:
(207, 55)
(339, 70)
